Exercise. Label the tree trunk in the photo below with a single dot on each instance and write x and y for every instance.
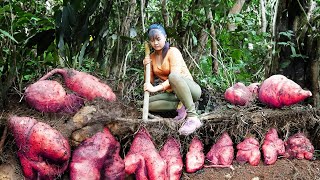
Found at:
(214, 46)
(165, 13)
(295, 45)
(235, 10)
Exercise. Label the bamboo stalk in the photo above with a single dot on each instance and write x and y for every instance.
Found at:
(145, 111)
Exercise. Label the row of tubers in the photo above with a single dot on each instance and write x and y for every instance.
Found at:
(45, 154)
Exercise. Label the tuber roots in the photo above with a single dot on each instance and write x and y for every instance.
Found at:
(195, 156)
(222, 152)
(43, 152)
(49, 96)
(272, 147)
(248, 151)
(170, 152)
(143, 159)
(238, 94)
(84, 84)
(278, 91)
(97, 158)
(299, 146)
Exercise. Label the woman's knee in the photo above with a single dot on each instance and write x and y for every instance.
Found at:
(173, 77)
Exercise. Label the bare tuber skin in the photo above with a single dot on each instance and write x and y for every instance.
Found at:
(248, 151)
(49, 96)
(238, 94)
(278, 91)
(43, 152)
(272, 147)
(222, 152)
(195, 156)
(97, 158)
(84, 84)
(299, 146)
(254, 88)
(170, 152)
(143, 159)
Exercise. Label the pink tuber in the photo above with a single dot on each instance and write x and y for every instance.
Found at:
(248, 151)
(195, 156)
(143, 159)
(278, 91)
(238, 94)
(272, 147)
(221, 153)
(254, 88)
(97, 158)
(49, 96)
(170, 152)
(43, 152)
(299, 146)
(84, 84)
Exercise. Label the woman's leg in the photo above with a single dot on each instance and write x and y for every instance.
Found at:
(163, 102)
(186, 90)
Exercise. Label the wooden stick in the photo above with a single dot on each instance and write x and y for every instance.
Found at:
(145, 111)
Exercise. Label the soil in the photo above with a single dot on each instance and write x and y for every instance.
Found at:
(123, 119)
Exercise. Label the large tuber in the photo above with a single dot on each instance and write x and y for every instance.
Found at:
(97, 158)
(49, 96)
(195, 156)
(43, 152)
(170, 152)
(272, 147)
(222, 152)
(278, 91)
(238, 94)
(299, 146)
(143, 159)
(84, 84)
(248, 151)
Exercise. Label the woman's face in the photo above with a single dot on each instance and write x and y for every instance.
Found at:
(157, 39)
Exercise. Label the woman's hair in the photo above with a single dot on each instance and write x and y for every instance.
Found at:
(155, 27)
(162, 31)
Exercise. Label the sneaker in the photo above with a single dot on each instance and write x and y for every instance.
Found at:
(182, 113)
(190, 125)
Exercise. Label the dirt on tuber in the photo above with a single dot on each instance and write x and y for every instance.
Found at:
(43, 152)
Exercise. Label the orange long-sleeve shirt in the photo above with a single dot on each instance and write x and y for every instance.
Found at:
(172, 63)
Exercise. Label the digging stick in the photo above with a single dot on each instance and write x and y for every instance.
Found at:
(147, 80)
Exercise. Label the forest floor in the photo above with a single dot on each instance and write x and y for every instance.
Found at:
(124, 120)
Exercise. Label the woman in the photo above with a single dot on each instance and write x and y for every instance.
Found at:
(177, 83)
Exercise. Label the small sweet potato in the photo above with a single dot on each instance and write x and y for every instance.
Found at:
(238, 94)
(222, 152)
(195, 156)
(143, 159)
(248, 151)
(272, 147)
(170, 152)
(299, 146)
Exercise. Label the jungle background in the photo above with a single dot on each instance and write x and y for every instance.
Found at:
(222, 41)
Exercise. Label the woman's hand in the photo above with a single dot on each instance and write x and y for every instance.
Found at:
(146, 61)
(149, 87)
